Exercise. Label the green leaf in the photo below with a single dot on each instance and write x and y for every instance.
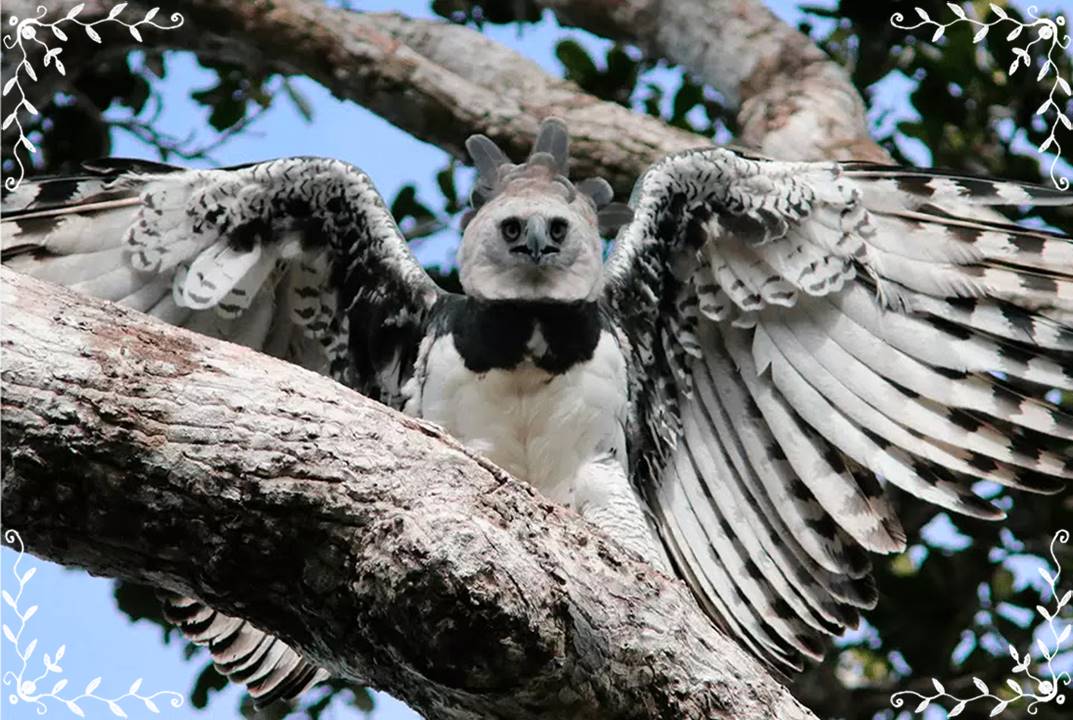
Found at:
(689, 95)
(621, 69)
(300, 102)
(445, 278)
(137, 95)
(1001, 584)
(652, 100)
(227, 114)
(363, 700)
(577, 64)
(139, 602)
(404, 202)
(207, 682)
(445, 179)
(154, 63)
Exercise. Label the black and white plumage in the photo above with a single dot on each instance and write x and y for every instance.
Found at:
(768, 346)
(798, 329)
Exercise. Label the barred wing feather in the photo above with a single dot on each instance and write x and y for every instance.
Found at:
(804, 335)
(293, 257)
(290, 256)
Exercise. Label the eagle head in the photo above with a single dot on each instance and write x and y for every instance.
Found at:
(532, 233)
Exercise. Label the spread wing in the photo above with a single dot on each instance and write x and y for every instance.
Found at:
(297, 257)
(805, 334)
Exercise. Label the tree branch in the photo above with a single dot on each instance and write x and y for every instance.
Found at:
(442, 82)
(437, 81)
(371, 541)
(795, 102)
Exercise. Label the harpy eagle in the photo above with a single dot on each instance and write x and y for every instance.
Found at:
(767, 347)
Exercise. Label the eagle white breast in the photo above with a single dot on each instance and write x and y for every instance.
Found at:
(539, 389)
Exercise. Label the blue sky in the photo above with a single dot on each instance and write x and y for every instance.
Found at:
(77, 610)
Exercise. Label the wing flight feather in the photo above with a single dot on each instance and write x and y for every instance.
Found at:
(284, 257)
(805, 335)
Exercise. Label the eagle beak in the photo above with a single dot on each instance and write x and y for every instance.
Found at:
(536, 241)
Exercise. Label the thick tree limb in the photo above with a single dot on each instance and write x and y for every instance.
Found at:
(795, 102)
(437, 81)
(443, 82)
(371, 541)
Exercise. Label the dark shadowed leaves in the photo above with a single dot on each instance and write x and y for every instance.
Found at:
(497, 12)
(208, 682)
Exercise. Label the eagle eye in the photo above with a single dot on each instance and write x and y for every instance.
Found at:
(511, 228)
(557, 229)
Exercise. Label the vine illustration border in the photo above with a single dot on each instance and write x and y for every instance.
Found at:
(26, 688)
(1045, 30)
(26, 32)
(1043, 688)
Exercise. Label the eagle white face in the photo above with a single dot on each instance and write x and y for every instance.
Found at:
(532, 244)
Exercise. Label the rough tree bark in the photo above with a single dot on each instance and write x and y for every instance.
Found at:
(794, 102)
(442, 82)
(371, 541)
(439, 82)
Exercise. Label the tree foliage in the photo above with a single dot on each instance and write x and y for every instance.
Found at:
(966, 589)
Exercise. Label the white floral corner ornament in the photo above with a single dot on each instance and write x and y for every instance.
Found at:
(1041, 688)
(26, 689)
(31, 31)
(1044, 30)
